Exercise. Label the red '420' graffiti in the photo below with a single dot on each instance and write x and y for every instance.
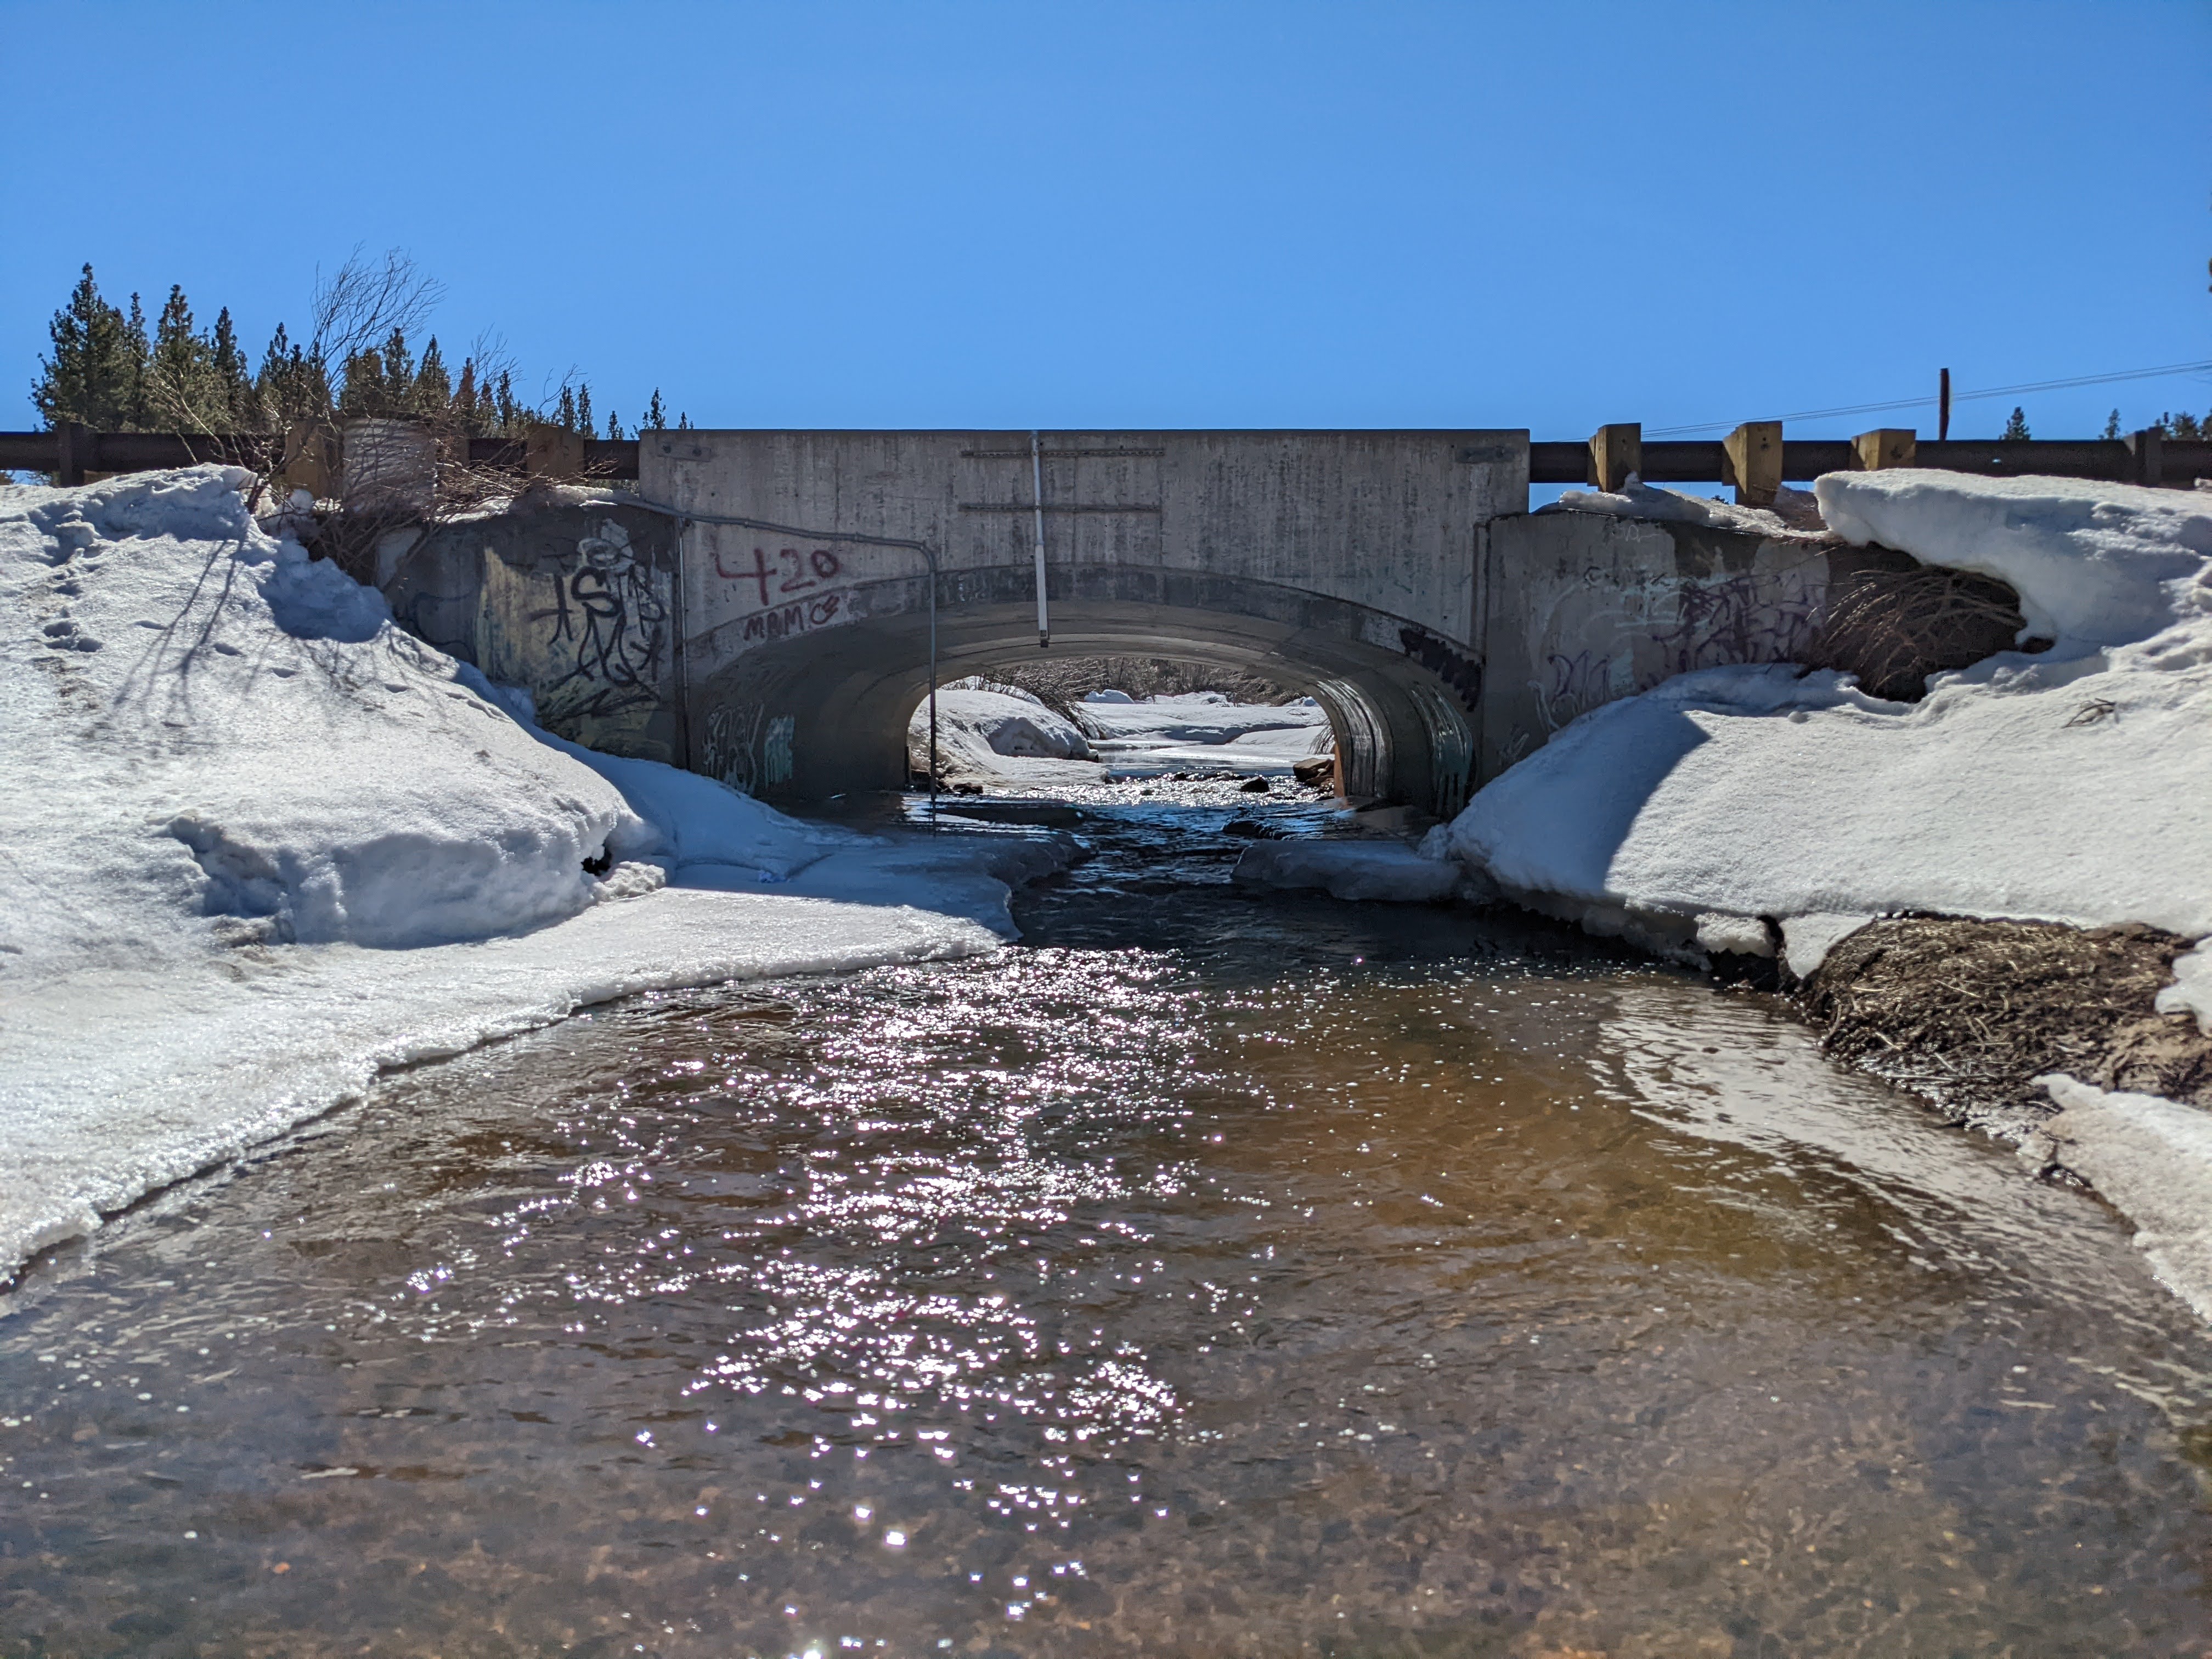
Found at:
(788, 572)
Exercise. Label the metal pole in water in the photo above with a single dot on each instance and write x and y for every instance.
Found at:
(1037, 486)
(932, 693)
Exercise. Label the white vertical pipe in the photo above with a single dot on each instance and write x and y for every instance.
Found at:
(932, 558)
(1037, 487)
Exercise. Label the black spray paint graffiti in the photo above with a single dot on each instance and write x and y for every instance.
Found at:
(609, 612)
(781, 623)
(1448, 663)
(747, 750)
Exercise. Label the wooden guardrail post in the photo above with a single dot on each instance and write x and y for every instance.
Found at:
(552, 452)
(311, 459)
(1615, 451)
(1885, 446)
(2148, 449)
(72, 447)
(1755, 456)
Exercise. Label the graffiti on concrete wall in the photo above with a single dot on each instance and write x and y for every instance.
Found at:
(1604, 639)
(604, 638)
(571, 606)
(1446, 661)
(746, 748)
(782, 593)
(610, 618)
(787, 621)
(786, 573)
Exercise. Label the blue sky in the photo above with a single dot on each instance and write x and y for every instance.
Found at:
(1162, 214)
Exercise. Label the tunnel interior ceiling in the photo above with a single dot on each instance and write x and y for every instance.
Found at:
(825, 712)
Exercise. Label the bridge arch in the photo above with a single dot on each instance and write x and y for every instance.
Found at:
(1342, 562)
(823, 709)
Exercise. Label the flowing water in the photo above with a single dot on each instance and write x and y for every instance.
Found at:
(1209, 1276)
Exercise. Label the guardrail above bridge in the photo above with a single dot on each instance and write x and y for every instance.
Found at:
(1604, 459)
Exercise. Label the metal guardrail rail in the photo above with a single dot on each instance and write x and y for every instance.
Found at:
(2112, 458)
(75, 453)
(83, 451)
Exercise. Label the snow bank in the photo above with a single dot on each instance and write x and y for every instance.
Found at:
(2192, 990)
(1002, 738)
(1795, 511)
(1205, 731)
(212, 738)
(2094, 564)
(1005, 737)
(1388, 871)
(2152, 1159)
(2072, 786)
(696, 827)
(999, 723)
(261, 844)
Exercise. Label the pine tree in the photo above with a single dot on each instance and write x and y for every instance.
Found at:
(183, 389)
(136, 416)
(465, 396)
(276, 368)
(509, 414)
(93, 376)
(583, 410)
(656, 416)
(291, 385)
(2112, 424)
(2016, 430)
(566, 416)
(234, 386)
(614, 427)
(363, 393)
(433, 398)
(683, 423)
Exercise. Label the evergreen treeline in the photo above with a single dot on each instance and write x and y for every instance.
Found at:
(109, 371)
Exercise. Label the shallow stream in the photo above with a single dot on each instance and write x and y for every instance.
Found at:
(1208, 1275)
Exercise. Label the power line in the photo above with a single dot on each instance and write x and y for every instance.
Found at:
(1956, 398)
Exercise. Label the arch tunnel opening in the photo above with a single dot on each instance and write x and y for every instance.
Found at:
(1057, 719)
(825, 714)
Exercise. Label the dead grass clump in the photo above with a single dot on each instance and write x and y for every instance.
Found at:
(1893, 621)
(1968, 1013)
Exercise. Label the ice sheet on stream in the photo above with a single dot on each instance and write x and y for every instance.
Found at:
(262, 843)
(1389, 871)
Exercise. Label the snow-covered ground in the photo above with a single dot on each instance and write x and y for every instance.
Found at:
(1004, 738)
(1204, 731)
(261, 843)
(2071, 785)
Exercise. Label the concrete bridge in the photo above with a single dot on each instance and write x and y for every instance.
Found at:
(767, 620)
(1341, 562)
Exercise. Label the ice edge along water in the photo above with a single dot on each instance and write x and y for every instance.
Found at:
(2072, 784)
(261, 844)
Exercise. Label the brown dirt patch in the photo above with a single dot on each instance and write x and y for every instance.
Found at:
(1967, 1013)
